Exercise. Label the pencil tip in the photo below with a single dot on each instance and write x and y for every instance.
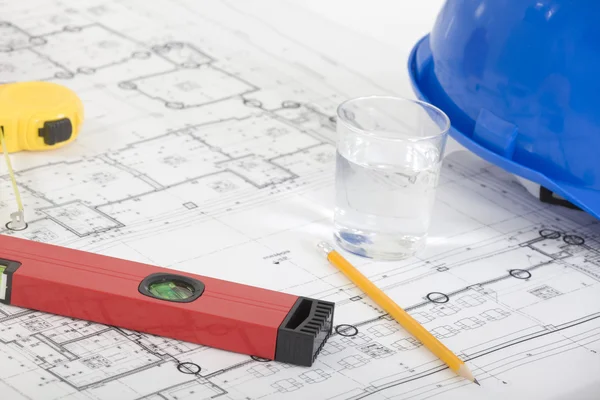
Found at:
(475, 381)
(466, 373)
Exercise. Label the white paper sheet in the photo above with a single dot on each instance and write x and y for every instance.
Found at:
(208, 147)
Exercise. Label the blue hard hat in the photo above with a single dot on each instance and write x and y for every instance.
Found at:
(520, 82)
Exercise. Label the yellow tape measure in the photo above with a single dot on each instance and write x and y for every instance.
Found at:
(36, 116)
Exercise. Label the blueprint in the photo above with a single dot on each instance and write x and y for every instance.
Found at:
(209, 146)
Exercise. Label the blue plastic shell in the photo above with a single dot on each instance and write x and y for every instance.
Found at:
(520, 82)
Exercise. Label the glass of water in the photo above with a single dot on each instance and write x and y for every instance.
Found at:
(389, 156)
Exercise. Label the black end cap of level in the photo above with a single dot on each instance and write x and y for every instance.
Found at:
(10, 268)
(304, 331)
(56, 131)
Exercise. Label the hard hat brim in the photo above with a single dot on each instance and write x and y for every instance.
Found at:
(586, 199)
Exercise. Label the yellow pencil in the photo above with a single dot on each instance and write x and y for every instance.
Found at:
(403, 318)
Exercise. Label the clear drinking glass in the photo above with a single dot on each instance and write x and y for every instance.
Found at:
(389, 155)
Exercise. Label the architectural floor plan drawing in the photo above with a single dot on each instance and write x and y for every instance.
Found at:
(209, 147)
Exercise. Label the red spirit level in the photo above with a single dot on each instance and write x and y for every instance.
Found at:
(140, 297)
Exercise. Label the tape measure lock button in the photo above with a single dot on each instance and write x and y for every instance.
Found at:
(56, 131)
(171, 287)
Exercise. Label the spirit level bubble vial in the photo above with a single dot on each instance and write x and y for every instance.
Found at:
(160, 301)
